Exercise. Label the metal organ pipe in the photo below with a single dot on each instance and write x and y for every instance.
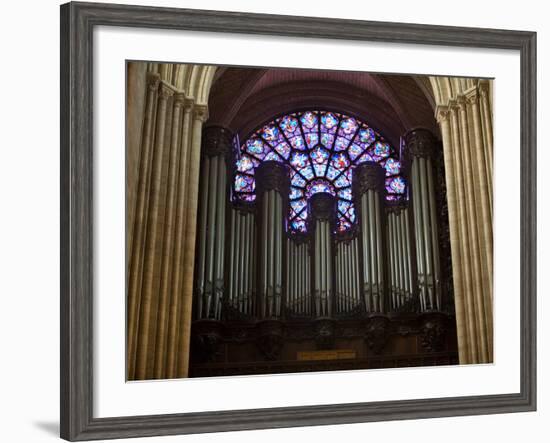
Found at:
(368, 187)
(217, 144)
(420, 143)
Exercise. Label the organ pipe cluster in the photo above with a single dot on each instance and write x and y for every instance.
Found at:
(420, 144)
(368, 187)
(322, 209)
(348, 284)
(298, 277)
(213, 190)
(399, 253)
(388, 262)
(242, 261)
(273, 185)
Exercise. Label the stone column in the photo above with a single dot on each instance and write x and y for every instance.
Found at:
(209, 286)
(199, 116)
(136, 252)
(368, 193)
(273, 188)
(322, 210)
(152, 263)
(466, 156)
(420, 144)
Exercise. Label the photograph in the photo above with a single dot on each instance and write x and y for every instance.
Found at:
(286, 220)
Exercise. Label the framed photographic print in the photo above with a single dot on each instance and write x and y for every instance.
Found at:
(272, 221)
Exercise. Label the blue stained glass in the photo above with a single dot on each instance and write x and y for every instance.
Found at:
(283, 149)
(355, 151)
(298, 143)
(329, 120)
(365, 158)
(308, 119)
(345, 193)
(327, 139)
(255, 146)
(319, 170)
(319, 155)
(367, 135)
(297, 180)
(312, 139)
(272, 156)
(298, 205)
(392, 166)
(270, 132)
(342, 181)
(299, 225)
(318, 186)
(395, 185)
(343, 225)
(341, 144)
(244, 183)
(298, 160)
(339, 161)
(394, 197)
(289, 124)
(246, 163)
(349, 126)
(247, 197)
(343, 206)
(322, 154)
(332, 172)
(382, 149)
(307, 172)
(295, 193)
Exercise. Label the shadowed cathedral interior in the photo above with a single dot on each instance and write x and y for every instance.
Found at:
(284, 220)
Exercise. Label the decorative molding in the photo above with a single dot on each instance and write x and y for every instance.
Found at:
(153, 81)
(421, 142)
(322, 207)
(367, 176)
(272, 175)
(217, 141)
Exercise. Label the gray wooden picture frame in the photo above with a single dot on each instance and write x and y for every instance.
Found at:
(77, 23)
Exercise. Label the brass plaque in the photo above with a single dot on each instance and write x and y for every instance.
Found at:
(336, 354)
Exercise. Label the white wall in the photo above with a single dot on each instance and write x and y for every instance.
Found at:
(29, 187)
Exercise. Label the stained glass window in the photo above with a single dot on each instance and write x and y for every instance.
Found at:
(321, 149)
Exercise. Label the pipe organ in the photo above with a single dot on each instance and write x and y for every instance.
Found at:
(252, 268)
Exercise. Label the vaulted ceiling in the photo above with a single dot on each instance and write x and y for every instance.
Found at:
(243, 98)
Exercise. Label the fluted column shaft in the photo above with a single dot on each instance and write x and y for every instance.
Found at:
(467, 142)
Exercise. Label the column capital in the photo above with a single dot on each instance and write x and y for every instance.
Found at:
(483, 87)
(165, 91)
(369, 175)
(200, 112)
(153, 81)
(420, 142)
(216, 141)
(472, 96)
(442, 113)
